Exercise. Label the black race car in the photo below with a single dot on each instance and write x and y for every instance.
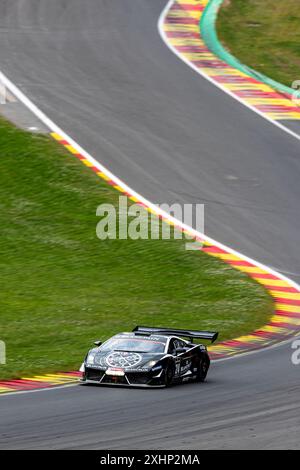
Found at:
(148, 357)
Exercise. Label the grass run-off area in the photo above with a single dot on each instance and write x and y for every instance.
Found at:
(263, 34)
(61, 287)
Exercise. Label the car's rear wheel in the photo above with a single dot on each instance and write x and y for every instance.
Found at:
(203, 367)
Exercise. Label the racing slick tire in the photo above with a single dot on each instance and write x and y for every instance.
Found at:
(203, 367)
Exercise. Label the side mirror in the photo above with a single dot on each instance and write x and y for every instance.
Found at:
(98, 343)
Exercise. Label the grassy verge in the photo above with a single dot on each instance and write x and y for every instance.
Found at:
(263, 34)
(61, 287)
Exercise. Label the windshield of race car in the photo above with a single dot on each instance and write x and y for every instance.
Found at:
(133, 344)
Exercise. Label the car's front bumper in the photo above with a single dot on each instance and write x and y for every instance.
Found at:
(116, 384)
(132, 379)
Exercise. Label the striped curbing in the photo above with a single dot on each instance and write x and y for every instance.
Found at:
(284, 324)
(181, 27)
(38, 382)
(286, 319)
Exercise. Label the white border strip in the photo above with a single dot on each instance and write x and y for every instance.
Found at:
(54, 128)
(213, 361)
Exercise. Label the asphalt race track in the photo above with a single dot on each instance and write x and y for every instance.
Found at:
(100, 70)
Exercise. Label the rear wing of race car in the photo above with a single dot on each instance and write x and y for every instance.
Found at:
(191, 334)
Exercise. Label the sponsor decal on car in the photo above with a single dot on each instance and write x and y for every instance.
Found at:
(185, 366)
(123, 359)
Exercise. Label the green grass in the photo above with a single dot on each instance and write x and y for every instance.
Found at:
(61, 287)
(263, 34)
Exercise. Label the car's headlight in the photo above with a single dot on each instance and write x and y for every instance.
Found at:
(91, 358)
(157, 368)
(151, 364)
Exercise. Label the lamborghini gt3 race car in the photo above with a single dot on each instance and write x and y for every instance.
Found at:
(148, 357)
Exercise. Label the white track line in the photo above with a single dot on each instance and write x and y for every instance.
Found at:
(54, 128)
(25, 392)
(237, 356)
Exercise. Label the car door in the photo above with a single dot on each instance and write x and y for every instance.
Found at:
(185, 357)
(183, 361)
(173, 346)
